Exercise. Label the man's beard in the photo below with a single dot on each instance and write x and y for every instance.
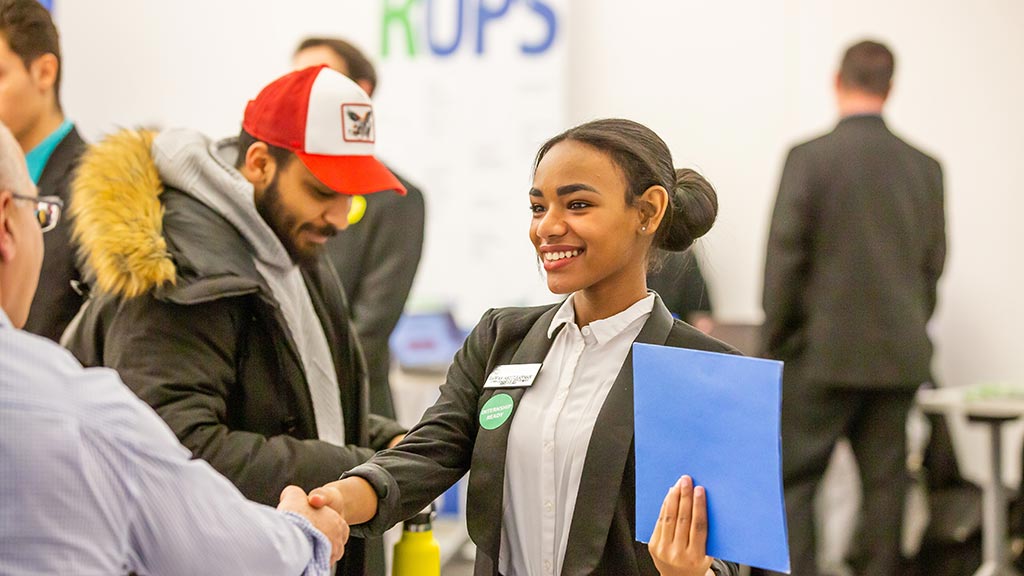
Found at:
(275, 214)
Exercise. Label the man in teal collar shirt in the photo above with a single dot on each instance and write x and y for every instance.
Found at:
(30, 72)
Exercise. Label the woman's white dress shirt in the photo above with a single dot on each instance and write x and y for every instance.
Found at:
(551, 432)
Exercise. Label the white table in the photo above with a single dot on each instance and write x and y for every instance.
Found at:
(993, 413)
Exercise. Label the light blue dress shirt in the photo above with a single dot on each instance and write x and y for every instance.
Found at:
(92, 481)
(40, 155)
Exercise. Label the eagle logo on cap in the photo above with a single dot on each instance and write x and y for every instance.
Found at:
(357, 120)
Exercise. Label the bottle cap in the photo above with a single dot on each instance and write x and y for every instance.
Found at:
(422, 521)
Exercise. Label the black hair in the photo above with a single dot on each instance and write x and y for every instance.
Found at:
(645, 161)
(29, 30)
(359, 66)
(868, 66)
(280, 155)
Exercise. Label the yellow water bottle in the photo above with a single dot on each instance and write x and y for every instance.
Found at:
(417, 552)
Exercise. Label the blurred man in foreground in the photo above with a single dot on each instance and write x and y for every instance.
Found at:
(91, 480)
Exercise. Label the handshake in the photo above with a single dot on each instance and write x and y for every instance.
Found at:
(326, 508)
(678, 545)
(332, 507)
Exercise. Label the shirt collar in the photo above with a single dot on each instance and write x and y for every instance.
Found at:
(40, 155)
(606, 328)
(566, 315)
(862, 116)
(4, 320)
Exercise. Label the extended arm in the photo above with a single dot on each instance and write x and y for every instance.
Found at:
(182, 360)
(399, 482)
(190, 520)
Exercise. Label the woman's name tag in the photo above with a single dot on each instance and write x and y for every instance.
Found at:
(512, 376)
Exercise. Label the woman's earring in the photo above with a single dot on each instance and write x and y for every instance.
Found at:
(643, 228)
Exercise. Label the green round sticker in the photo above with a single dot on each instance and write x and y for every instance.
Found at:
(496, 411)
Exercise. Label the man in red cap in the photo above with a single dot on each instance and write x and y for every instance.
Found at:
(376, 258)
(210, 294)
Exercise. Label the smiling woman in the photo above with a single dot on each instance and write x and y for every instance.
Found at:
(609, 187)
(553, 487)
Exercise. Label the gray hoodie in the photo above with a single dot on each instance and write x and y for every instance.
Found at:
(188, 161)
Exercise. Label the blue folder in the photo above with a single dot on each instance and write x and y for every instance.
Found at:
(715, 417)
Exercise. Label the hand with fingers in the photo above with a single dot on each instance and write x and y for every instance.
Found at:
(354, 498)
(328, 496)
(678, 543)
(326, 519)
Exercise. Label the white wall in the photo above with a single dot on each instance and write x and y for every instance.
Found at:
(730, 85)
(185, 63)
(463, 127)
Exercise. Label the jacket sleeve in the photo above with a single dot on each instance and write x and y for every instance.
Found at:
(382, 431)
(391, 256)
(182, 360)
(384, 287)
(187, 519)
(935, 258)
(787, 258)
(723, 568)
(438, 450)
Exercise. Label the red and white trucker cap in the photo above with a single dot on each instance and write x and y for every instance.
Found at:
(327, 121)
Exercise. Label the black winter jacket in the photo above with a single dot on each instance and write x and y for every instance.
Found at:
(208, 348)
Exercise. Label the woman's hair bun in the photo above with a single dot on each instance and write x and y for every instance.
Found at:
(694, 207)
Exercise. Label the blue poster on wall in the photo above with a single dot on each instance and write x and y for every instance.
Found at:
(48, 4)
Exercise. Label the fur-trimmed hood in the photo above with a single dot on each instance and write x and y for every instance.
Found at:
(130, 247)
(118, 217)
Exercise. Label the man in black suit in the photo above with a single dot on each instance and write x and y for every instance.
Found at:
(30, 105)
(376, 258)
(856, 247)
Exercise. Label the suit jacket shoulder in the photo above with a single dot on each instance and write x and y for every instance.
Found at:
(56, 302)
(60, 167)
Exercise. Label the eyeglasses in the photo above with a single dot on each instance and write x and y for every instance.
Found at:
(48, 209)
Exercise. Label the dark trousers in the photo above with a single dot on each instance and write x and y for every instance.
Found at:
(815, 416)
